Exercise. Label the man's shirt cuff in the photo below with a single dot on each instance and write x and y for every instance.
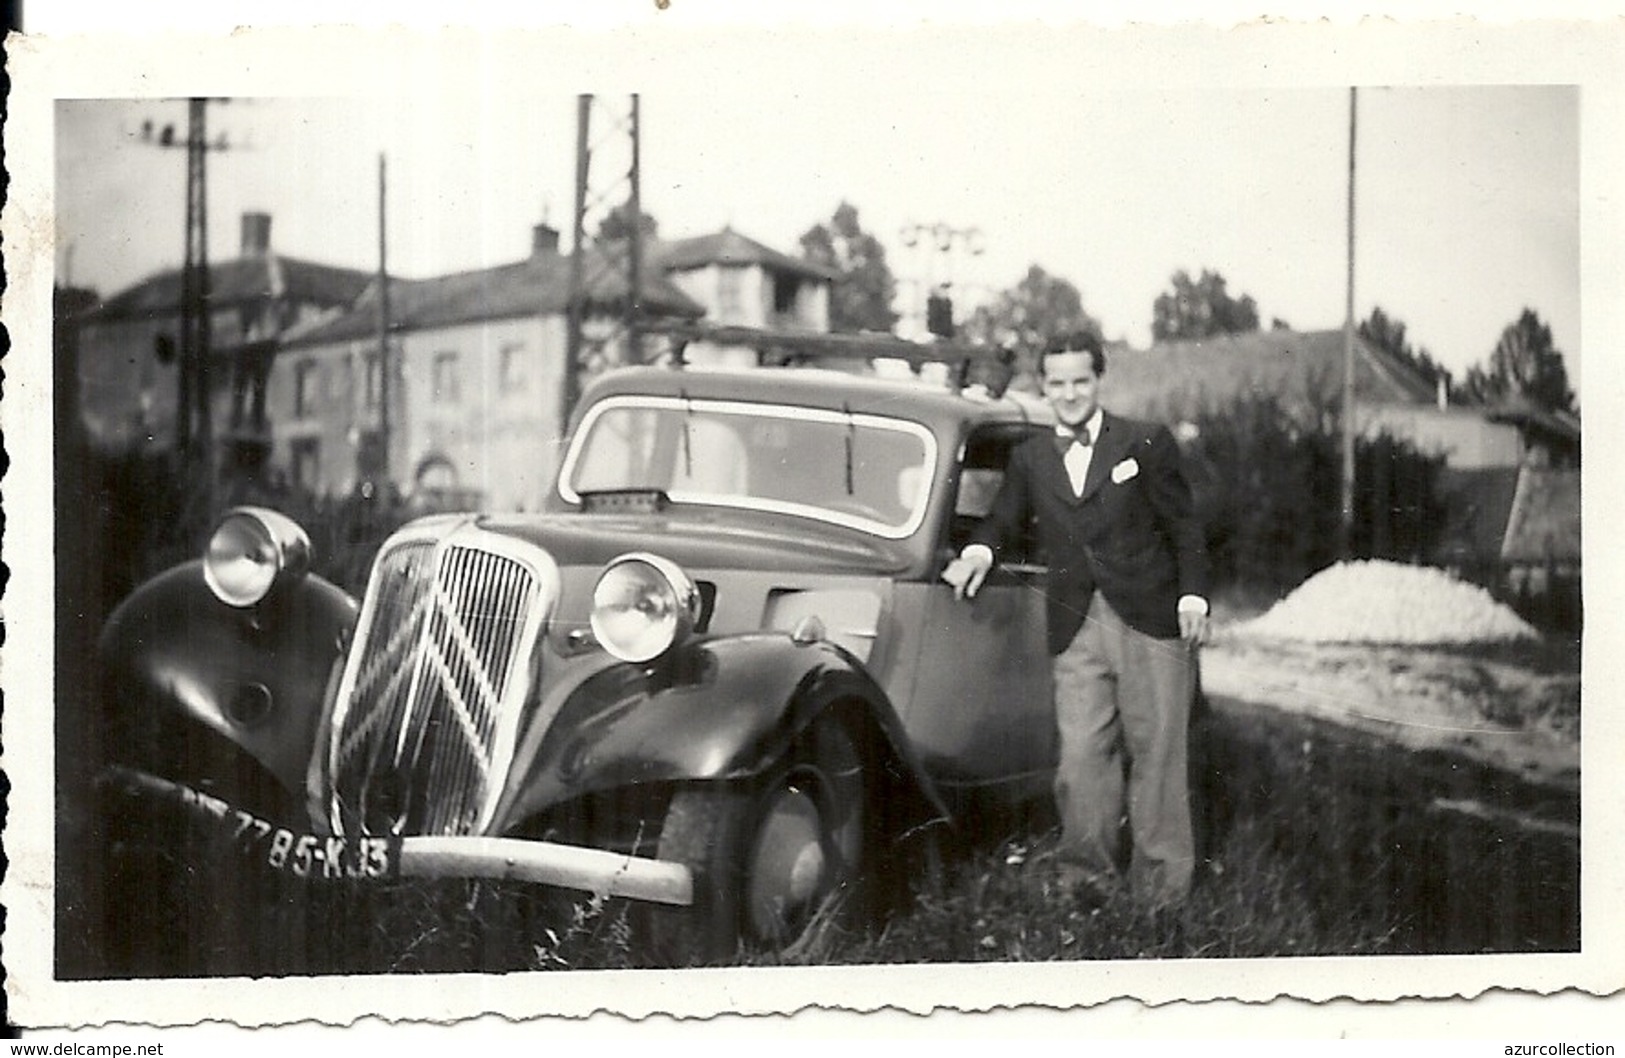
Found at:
(971, 550)
(1187, 603)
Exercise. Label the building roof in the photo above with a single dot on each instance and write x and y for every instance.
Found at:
(537, 285)
(1558, 425)
(237, 281)
(729, 247)
(69, 303)
(1303, 370)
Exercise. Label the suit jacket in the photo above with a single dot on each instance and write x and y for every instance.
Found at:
(1131, 535)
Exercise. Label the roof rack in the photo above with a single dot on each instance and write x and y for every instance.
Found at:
(992, 363)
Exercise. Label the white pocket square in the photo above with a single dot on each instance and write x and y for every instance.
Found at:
(1124, 470)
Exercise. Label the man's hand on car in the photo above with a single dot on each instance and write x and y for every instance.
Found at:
(1193, 627)
(967, 572)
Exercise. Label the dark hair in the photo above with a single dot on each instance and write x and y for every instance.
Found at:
(1076, 342)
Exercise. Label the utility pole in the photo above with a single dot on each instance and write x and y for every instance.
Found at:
(939, 240)
(1345, 524)
(385, 367)
(574, 307)
(634, 247)
(609, 257)
(194, 439)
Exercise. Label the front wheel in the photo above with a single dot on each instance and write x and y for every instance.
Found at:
(771, 856)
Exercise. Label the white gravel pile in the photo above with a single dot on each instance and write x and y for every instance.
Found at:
(1387, 602)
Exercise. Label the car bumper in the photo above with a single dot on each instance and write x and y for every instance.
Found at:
(312, 858)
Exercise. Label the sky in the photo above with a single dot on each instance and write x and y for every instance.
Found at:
(1468, 196)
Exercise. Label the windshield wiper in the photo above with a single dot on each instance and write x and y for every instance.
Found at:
(851, 436)
(688, 442)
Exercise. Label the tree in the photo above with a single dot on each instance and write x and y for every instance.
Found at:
(865, 287)
(1524, 365)
(617, 225)
(1201, 309)
(1388, 333)
(1027, 316)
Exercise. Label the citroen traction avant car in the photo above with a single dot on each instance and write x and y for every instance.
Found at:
(718, 675)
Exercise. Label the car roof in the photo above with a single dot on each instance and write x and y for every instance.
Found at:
(931, 404)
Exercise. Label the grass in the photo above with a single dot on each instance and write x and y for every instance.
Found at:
(1005, 904)
(1315, 844)
(996, 904)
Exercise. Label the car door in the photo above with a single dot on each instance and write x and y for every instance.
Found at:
(981, 713)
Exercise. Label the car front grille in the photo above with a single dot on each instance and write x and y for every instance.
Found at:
(428, 710)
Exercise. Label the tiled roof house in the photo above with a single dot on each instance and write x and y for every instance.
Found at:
(1510, 474)
(478, 358)
(1302, 370)
(745, 283)
(128, 343)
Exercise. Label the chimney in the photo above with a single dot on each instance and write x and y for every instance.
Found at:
(256, 234)
(544, 240)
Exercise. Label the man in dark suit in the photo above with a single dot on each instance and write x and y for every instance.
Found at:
(1127, 609)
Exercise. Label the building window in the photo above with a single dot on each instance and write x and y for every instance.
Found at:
(304, 389)
(369, 455)
(374, 381)
(785, 288)
(307, 463)
(728, 301)
(513, 371)
(444, 383)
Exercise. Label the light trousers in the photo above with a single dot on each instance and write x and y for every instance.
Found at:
(1122, 709)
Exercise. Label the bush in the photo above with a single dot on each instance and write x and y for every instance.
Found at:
(137, 517)
(1268, 491)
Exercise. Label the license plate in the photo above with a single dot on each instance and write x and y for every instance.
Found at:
(300, 855)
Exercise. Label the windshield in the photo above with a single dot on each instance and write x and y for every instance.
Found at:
(863, 471)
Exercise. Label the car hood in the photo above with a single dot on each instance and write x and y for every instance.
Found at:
(700, 539)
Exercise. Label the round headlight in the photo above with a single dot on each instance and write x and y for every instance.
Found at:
(249, 551)
(642, 605)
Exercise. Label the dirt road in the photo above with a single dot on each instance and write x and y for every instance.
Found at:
(1515, 708)
(1438, 786)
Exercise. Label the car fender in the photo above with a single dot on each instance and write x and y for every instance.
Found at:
(253, 678)
(720, 709)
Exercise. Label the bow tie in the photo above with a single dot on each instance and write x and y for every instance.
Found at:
(1066, 437)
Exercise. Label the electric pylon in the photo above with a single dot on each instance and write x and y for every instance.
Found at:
(616, 252)
(194, 435)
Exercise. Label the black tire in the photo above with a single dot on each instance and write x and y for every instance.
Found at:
(772, 856)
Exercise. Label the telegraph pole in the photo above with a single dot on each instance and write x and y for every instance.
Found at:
(385, 367)
(939, 240)
(574, 308)
(1345, 524)
(195, 438)
(634, 247)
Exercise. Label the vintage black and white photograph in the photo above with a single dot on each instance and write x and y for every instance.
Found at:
(1004, 499)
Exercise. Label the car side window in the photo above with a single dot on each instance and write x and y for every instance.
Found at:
(987, 452)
